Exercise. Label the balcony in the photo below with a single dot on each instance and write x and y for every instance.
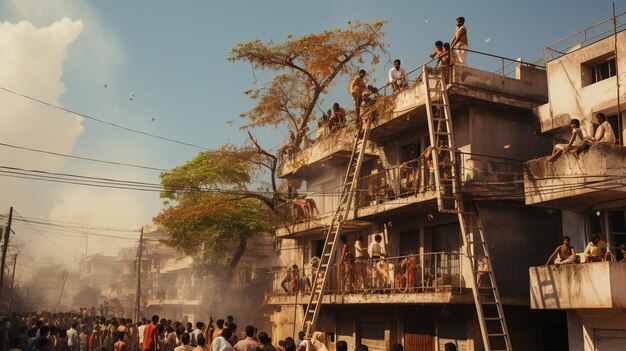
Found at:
(597, 177)
(407, 187)
(391, 280)
(328, 150)
(585, 285)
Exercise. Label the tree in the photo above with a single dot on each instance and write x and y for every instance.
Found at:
(215, 212)
(305, 68)
(215, 202)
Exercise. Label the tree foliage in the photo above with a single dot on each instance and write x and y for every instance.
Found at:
(212, 211)
(305, 68)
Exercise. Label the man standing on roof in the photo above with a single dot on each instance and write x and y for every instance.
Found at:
(397, 76)
(459, 42)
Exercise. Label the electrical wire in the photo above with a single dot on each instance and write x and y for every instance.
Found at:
(100, 120)
(83, 158)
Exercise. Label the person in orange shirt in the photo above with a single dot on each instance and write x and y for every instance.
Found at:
(150, 338)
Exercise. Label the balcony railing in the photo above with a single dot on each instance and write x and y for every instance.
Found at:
(584, 37)
(480, 175)
(437, 272)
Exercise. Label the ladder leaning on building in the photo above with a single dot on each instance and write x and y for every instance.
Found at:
(346, 200)
(489, 308)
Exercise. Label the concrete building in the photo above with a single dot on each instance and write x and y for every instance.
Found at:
(589, 192)
(420, 295)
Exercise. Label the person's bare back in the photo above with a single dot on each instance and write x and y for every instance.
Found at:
(120, 346)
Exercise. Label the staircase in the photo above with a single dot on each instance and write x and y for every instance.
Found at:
(320, 278)
(489, 308)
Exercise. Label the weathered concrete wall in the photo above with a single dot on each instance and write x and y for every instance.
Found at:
(505, 133)
(518, 237)
(530, 83)
(588, 285)
(597, 174)
(569, 98)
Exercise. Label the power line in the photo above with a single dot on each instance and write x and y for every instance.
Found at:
(83, 158)
(101, 120)
(45, 237)
(65, 224)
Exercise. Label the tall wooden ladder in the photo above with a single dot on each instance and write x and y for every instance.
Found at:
(489, 308)
(349, 189)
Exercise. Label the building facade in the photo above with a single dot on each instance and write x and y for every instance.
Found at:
(420, 295)
(589, 192)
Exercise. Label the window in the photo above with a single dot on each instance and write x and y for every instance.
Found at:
(598, 69)
(602, 71)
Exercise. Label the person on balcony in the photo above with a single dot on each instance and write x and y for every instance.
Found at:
(574, 141)
(347, 263)
(361, 257)
(622, 248)
(337, 119)
(604, 134)
(397, 76)
(563, 254)
(286, 282)
(459, 42)
(596, 250)
(357, 87)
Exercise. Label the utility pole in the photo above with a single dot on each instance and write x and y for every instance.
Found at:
(5, 247)
(12, 283)
(67, 273)
(138, 286)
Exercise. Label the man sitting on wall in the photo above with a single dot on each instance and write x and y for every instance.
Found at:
(604, 134)
(596, 250)
(563, 254)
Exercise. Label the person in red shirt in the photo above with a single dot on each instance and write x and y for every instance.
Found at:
(150, 341)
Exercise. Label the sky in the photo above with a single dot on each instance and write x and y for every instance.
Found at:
(160, 67)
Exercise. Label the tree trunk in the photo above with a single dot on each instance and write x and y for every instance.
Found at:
(215, 301)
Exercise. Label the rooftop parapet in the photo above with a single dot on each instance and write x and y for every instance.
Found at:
(597, 177)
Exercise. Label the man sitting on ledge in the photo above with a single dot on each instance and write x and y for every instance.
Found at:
(596, 250)
(565, 254)
(604, 134)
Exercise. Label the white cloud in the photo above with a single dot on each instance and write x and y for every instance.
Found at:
(487, 40)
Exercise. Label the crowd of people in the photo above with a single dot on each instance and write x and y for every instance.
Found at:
(84, 332)
(596, 251)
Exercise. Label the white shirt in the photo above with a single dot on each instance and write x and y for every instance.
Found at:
(141, 329)
(374, 249)
(359, 249)
(221, 344)
(609, 135)
(194, 337)
(72, 337)
(183, 348)
(395, 74)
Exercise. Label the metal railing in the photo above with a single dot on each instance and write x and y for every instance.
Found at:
(481, 175)
(584, 37)
(438, 272)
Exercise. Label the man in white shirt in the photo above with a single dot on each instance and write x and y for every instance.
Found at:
(221, 343)
(196, 333)
(141, 330)
(361, 256)
(185, 339)
(72, 337)
(459, 42)
(397, 76)
(604, 134)
(375, 249)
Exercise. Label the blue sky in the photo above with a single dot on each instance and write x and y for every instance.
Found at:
(170, 58)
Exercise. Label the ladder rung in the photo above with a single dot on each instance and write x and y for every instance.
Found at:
(496, 335)
(439, 119)
(441, 133)
(490, 302)
(493, 318)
